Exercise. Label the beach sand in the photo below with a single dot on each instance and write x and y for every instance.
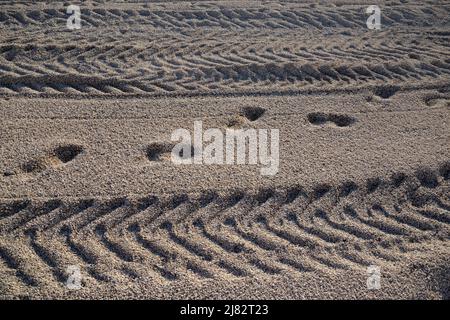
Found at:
(359, 207)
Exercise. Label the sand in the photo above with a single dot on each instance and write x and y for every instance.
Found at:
(86, 178)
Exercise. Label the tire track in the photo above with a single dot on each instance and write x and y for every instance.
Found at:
(215, 234)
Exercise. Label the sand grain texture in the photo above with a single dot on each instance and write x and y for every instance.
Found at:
(85, 124)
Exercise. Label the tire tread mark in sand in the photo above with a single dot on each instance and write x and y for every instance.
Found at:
(252, 238)
(358, 233)
(33, 213)
(159, 252)
(198, 270)
(355, 258)
(12, 263)
(77, 84)
(404, 219)
(234, 270)
(330, 264)
(201, 252)
(291, 17)
(225, 244)
(87, 257)
(188, 245)
(296, 265)
(235, 248)
(45, 256)
(266, 268)
(74, 210)
(151, 246)
(428, 192)
(165, 256)
(430, 214)
(294, 239)
(108, 210)
(78, 250)
(165, 273)
(11, 209)
(382, 226)
(111, 245)
(317, 232)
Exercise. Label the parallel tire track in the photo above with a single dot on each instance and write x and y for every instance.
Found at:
(307, 224)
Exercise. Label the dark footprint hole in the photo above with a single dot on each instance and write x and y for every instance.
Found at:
(253, 113)
(68, 153)
(190, 154)
(317, 118)
(386, 91)
(8, 173)
(157, 149)
(341, 120)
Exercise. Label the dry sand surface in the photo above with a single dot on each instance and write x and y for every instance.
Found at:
(86, 179)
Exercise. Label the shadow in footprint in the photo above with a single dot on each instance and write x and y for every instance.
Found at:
(340, 120)
(162, 151)
(57, 157)
(253, 113)
(68, 152)
(386, 91)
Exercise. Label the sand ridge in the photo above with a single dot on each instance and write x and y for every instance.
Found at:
(85, 177)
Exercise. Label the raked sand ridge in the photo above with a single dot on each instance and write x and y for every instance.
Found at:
(86, 118)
